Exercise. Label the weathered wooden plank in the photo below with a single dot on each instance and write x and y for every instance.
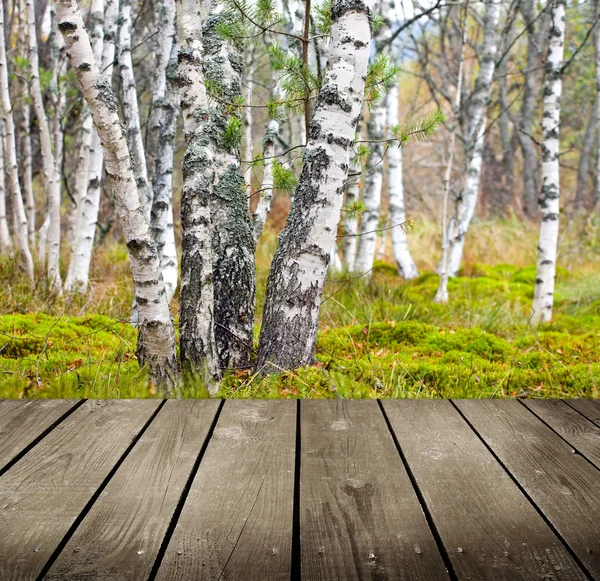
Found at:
(489, 528)
(590, 408)
(563, 485)
(359, 515)
(580, 432)
(43, 494)
(22, 421)
(122, 534)
(237, 519)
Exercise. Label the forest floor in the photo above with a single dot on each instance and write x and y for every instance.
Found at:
(382, 337)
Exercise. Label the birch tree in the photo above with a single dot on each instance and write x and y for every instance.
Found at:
(543, 294)
(351, 218)
(197, 343)
(474, 138)
(397, 214)
(79, 267)
(135, 141)
(10, 159)
(161, 216)
(51, 187)
(295, 285)
(263, 207)
(156, 339)
(6, 246)
(165, 30)
(232, 240)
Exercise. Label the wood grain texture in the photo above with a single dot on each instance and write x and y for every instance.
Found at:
(565, 486)
(122, 534)
(576, 429)
(590, 408)
(42, 495)
(237, 519)
(360, 518)
(489, 528)
(22, 421)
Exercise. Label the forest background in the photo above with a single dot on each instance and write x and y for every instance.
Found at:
(381, 334)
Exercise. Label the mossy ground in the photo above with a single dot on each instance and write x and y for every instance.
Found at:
(379, 338)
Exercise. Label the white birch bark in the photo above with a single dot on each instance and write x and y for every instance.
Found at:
(543, 294)
(87, 130)
(261, 212)
(351, 220)
(50, 186)
(10, 152)
(248, 137)
(233, 245)
(156, 340)
(135, 141)
(165, 22)
(466, 203)
(295, 286)
(369, 225)
(198, 347)
(79, 268)
(161, 216)
(6, 246)
(397, 214)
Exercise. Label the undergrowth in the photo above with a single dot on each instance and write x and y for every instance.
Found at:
(382, 337)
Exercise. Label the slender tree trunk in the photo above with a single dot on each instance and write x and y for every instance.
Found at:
(79, 268)
(11, 158)
(156, 340)
(6, 246)
(474, 142)
(130, 106)
(543, 294)
(295, 286)
(198, 348)
(233, 244)
(87, 130)
(52, 191)
(441, 295)
(350, 220)
(161, 222)
(367, 242)
(526, 121)
(165, 22)
(25, 135)
(585, 159)
(248, 137)
(259, 216)
(397, 214)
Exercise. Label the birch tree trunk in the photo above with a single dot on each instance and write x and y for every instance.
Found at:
(165, 22)
(397, 214)
(294, 290)
(87, 130)
(467, 201)
(233, 244)
(6, 246)
(79, 268)
(52, 191)
(161, 222)
(543, 294)
(261, 212)
(156, 339)
(351, 220)
(135, 142)
(11, 159)
(367, 241)
(248, 137)
(197, 343)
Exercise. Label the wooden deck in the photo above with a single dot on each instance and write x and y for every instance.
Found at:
(260, 490)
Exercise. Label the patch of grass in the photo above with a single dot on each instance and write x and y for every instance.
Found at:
(382, 337)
